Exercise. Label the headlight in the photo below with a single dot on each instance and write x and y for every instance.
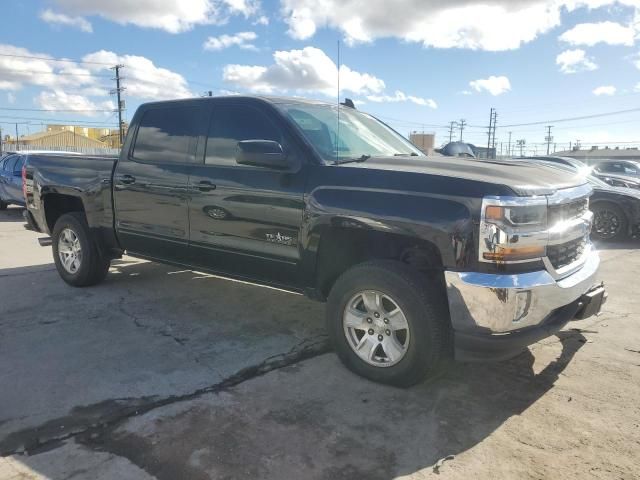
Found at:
(513, 229)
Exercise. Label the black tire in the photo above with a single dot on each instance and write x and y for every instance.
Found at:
(93, 266)
(609, 222)
(3, 205)
(423, 303)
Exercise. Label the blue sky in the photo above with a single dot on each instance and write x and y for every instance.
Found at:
(417, 64)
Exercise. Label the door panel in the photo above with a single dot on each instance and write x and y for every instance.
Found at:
(151, 191)
(247, 219)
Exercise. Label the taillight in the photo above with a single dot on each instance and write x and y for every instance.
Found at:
(24, 182)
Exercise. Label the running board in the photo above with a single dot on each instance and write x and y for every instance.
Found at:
(45, 241)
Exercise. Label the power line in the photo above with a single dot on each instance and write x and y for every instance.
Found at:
(45, 120)
(52, 110)
(70, 74)
(569, 119)
(53, 59)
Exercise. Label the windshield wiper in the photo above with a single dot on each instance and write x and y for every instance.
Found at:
(412, 154)
(360, 159)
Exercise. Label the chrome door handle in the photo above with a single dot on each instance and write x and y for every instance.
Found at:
(205, 186)
(127, 179)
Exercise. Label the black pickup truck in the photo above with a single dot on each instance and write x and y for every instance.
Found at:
(420, 259)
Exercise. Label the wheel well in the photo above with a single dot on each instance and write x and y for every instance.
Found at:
(56, 205)
(342, 248)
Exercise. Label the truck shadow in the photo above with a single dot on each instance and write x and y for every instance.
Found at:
(314, 418)
(12, 214)
(632, 242)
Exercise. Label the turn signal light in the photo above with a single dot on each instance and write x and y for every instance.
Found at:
(503, 254)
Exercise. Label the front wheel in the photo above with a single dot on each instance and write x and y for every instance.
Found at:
(609, 222)
(76, 254)
(388, 323)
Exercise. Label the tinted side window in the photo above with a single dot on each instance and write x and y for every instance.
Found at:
(231, 124)
(19, 163)
(167, 135)
(10, 163)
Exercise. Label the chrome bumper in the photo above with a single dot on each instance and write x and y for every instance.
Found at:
(500, 304)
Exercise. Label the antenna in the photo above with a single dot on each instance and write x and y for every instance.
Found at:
(338, 129)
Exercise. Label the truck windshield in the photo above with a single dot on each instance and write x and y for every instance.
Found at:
(359, 135)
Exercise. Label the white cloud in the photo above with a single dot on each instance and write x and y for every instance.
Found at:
(494, 85)
(143, 79)
(262, 20)
(245, 7)
(605, 90)
(495, 25)
(399, 96)
(173, 16)
(240, 39)
(11, 98)
(52, 17)
(480, 25)
(306, 70)
(590, 34)
(17, 71)
(572, 61)
(58, 99)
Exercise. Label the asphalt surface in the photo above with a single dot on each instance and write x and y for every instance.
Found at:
(168, 374)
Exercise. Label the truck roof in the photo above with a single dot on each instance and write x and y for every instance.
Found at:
(266, 98)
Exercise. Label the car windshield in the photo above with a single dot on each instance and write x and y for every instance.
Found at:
(356, 136)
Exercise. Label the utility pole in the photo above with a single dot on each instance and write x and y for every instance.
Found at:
(490, 131)
(521, 143)
(17, 143)
(0, 140)
(509, 147)
(452, 126)
(462, 124)
(491, 142)
(549, 138)
(120, 108)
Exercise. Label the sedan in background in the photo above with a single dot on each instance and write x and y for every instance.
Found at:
(616, 209)
(11, 180)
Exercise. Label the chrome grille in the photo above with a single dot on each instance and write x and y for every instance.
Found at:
(567, 211)
(566, 253)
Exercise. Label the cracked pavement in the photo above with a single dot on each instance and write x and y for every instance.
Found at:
(170, 374)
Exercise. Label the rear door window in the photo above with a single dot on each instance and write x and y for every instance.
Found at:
(167, 135)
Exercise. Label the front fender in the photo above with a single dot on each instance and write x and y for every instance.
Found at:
(445, 221)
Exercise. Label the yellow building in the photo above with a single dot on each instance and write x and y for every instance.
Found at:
(90, 132)
(54, 140)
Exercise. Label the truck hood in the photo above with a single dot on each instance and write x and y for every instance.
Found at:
(523, 178)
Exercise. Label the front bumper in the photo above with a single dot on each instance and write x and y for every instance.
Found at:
(496, 316)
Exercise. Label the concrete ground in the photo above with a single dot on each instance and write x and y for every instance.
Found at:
(167, 374)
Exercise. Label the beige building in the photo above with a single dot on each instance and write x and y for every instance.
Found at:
(90, 132)
(424, 141)
(54, 140)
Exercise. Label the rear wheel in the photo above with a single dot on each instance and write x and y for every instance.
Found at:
(75, 253)
(609, 222)
(3, 205)
(388, 323)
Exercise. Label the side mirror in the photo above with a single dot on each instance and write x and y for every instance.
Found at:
(261, 153)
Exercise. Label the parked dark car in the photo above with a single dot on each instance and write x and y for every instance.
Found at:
(11, 181)
(616, 209)
(611, 173)
(418, 258)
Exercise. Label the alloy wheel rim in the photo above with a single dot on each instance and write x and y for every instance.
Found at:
(376, 328)
(69, 251)
(606, 223)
